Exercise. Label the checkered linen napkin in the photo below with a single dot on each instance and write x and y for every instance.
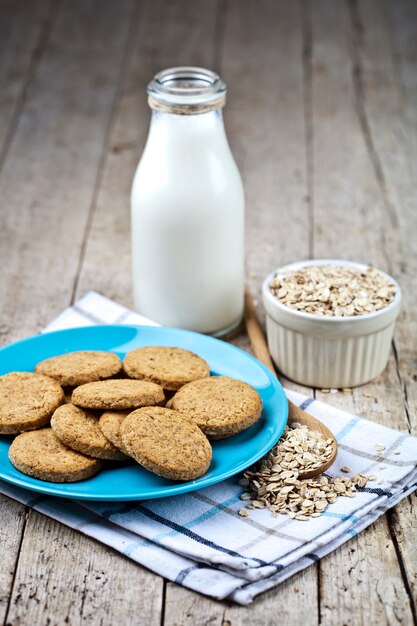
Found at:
(199, 540)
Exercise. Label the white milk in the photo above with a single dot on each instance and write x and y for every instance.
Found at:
(188, 224)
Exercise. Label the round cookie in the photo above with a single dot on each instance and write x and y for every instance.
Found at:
(27, 401)
(110, 424)
(219, 405)
(166, 443)
(42, 455)
(118, 394)
(77, 368)
(79, 430)
(169, 367)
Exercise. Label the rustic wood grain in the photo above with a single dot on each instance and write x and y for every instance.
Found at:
(47, 181)
(64, 577)
(265, 109)
(11, 525)
(352, 592)
(390, 93)
(24, 30)
(293, 599)
(403, 18)
(351, 222)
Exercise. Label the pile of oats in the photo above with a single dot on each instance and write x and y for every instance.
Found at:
(275, 484)
(333, 290)
(302, 449)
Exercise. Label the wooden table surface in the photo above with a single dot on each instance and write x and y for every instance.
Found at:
(322, 118)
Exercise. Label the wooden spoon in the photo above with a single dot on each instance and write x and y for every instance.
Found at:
(295, 414)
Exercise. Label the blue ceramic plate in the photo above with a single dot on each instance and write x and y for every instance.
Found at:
(132, 482)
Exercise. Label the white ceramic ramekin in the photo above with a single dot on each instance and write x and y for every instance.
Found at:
(328, 352)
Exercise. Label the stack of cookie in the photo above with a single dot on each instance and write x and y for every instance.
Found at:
(159, 408)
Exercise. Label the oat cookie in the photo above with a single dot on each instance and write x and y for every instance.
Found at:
(78, 429)
(169, 367)
(220, 406)
(77, 368)
(118, 394)
(27, 401)
(42, 455)
(166, 443)
(110, 424)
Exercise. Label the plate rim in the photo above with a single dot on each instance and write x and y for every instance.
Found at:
(162, 492)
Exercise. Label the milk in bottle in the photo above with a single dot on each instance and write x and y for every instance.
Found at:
(188, 209)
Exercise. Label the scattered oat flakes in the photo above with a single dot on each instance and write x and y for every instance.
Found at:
(379, 447)
(274, 481)
(243, 513)
(333, 290)
(396, 451)
(345, 470)
(371, 477)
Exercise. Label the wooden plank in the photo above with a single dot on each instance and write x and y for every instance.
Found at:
(11, 524)
(265, 123)
(23, 30)
(47, 185)
(352, 213)
(292, 599)
(64, 577)
(177, 28)
(402, 522)
(404, 20)
(390, 88)
(48, 179)
(350, 590)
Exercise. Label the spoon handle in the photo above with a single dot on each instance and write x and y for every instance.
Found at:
(255, 333)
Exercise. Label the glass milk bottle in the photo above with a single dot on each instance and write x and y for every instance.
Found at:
(188, 208)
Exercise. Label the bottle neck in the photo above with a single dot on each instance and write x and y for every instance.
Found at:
(203, 128)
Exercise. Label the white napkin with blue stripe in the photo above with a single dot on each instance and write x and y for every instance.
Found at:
(199, 540)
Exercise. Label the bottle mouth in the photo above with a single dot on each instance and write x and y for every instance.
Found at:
(186, 90)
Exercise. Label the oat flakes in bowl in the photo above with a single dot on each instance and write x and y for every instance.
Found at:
(329, 322)
(333, 290)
